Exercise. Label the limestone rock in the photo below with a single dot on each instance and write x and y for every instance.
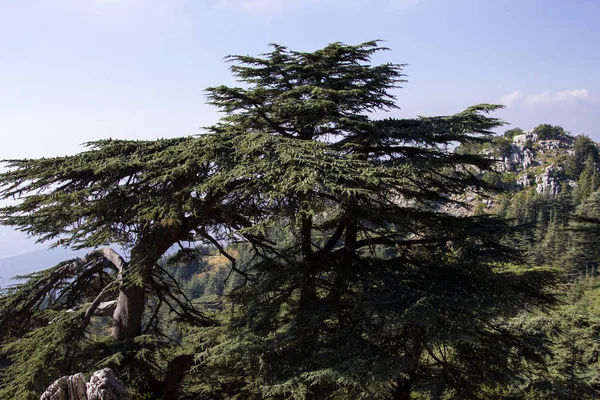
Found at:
(524, 180)
(67, 388)
(562, 143)
(520, 158)
(521, 139)
(103, 385)
(527, 159)
(549, 182)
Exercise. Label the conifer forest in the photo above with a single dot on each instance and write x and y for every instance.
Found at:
(309, 247)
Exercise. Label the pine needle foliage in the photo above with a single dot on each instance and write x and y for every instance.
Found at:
(372, 288)
(363, 274)
(145, 196)
(109, 194)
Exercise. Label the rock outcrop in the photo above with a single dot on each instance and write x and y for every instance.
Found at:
(527, 136)
(524, 180)
(549, 182)
(528, 161)
(532, 163)
(520, 158)
(67, 388)
(103, 385)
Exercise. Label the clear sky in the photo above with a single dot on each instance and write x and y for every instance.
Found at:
(79, 70)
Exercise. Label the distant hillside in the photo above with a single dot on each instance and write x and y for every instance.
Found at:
(32, 261)
(13, 242)
(546, 161)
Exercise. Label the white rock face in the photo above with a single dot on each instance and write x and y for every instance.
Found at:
(103, 385)
(521, 139)
(524, 180)
(520, 159)
(67, 388)
(549, 182)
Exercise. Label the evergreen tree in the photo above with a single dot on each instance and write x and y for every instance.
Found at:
(549, 132)
(373, 290)
(572, 370)
(583, 149)
(356, 278)
(584, 254)
(142, 195)
(589, 179)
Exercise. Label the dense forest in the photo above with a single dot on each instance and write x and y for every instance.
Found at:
(302, 248)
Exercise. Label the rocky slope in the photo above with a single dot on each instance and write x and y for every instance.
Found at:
(537, 163)
(546, 161)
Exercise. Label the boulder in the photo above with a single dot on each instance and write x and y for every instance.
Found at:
(103, 385)
(67, 388)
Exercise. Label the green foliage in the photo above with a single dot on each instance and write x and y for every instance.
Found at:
(371, 278)
(105, 195)
(549, 132)
(498, 147)
(572, 370)
(584, 253)
(143, 195)
(41, 356)
(502, 146)
(589, 179)
(330, 264)
(511, 133)
(584, 152)
(542, 221)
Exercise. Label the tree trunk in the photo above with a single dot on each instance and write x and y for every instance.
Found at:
(401, 389)
(176, 371)
(131, 302)
(129, 312)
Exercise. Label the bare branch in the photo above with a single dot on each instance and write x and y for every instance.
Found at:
(91, 311)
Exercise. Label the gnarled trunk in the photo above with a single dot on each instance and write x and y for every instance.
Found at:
(131, 302)
(129, 312)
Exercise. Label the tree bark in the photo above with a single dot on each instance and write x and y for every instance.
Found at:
(401, 389)
(176, 371)
(129, 312)
(131, 302)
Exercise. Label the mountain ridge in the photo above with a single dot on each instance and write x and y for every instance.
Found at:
(32, 261)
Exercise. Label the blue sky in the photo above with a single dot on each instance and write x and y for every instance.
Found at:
(79, 70)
